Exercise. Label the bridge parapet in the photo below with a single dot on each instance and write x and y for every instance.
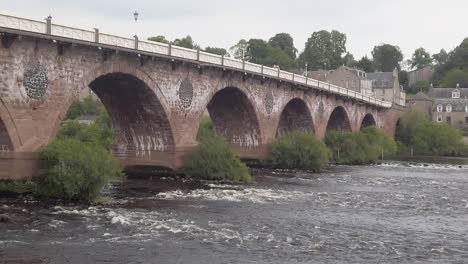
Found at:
(16, 25)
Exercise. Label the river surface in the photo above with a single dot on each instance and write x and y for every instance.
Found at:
(389, 213)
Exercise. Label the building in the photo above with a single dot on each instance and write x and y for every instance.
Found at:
(421, 102)
(386, 86)
(346, 77)
(450, 105)
(424, 74)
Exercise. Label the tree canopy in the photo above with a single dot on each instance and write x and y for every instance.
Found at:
(421, 58)
(284, 42)
(159, 38)
(218, 51)
(324, 50)
(365, 64)
(387, 57)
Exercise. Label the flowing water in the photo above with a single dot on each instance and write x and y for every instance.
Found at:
(389, 213)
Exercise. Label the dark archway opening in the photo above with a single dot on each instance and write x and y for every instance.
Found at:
(233, 117)
(5, 142)
(368, 121)
(295, 116)
(139, 120)
(338, 120)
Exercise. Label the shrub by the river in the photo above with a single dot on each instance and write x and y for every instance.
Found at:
(362, 147)
(213, 158)
(299, 150)
(416, 131)
(75, 170)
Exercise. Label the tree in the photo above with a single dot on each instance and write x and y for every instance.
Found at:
(440, 58)
(455, 76)
(238, 51)
(421, 58)
(387, 57)
(186, 42)
(284, 42)
(324, 50)
(257, 50)
(159, 38)
(218, 51)
(349, 60)
(403, 78)
(419, 86)
(458, 58)
(365, 64)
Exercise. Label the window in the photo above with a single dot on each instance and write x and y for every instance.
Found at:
(439, 108)
(456, 94)
(448, 108)
(466, 120)
(439, 119)
(449, 120)
(466, 108)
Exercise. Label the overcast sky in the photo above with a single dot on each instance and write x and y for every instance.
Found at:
(410, 24)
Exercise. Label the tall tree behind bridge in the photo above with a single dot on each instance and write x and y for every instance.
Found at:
(421, 58)
(387, 57)
(365, 64)
(324, 50)
(218, 51)
(284, 42)
(159, 38)
(452, 68)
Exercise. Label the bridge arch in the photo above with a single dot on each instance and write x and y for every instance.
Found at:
(234, 117)
(338, 120)
(9, 138)
(368, 121)
(139, 117)
(295, 116)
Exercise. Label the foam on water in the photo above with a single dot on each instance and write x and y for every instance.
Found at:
(253, 195)
(421, 165)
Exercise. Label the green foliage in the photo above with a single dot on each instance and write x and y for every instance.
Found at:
(213, 158)
(387, 57)
(349, 60)
(160, 38)
(16, 187)
(421, 58)
(419, 86)
(365, 64)
(259, 51)
(283, 42)
(75, 170)
(425, 137)
(403, 78)
(86, 106)
(362, 147)
(455, 76)
(324, 50)
(299, 150)
(218, 51)
(100, 133)
(238, 51)
(440, 58)
(186, 42)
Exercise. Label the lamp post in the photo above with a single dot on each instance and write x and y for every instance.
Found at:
(305, 74)
(135, 16)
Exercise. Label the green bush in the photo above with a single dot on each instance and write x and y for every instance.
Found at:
(75, 170)
(358, 148)
(86, 106)
(416, 131)
(213, 158)
(299, 150)
(18, 187)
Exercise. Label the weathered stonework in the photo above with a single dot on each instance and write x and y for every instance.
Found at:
(156, 104)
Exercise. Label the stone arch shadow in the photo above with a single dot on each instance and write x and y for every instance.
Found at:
(367, 121)
(9, 138)
(139, 115)
(295, 115)
(234, 117)
(338, 120)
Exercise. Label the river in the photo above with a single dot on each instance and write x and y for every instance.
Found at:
(388, 213)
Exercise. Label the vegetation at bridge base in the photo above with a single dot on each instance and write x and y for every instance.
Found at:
(417, 132)
(358, 148)
(299, 150)
(85, 106)
(213, 159)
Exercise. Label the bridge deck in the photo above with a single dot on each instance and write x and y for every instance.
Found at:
(22, 26)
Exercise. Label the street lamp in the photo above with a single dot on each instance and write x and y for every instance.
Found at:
(306, 64)
(135, 15)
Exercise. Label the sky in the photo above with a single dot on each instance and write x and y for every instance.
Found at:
(409, 24)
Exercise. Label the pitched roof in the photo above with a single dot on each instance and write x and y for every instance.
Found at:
(381, 80)
(447, 92)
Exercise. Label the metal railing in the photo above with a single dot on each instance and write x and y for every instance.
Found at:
(155, 49)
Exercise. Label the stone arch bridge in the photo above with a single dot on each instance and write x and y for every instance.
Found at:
(156, 94)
